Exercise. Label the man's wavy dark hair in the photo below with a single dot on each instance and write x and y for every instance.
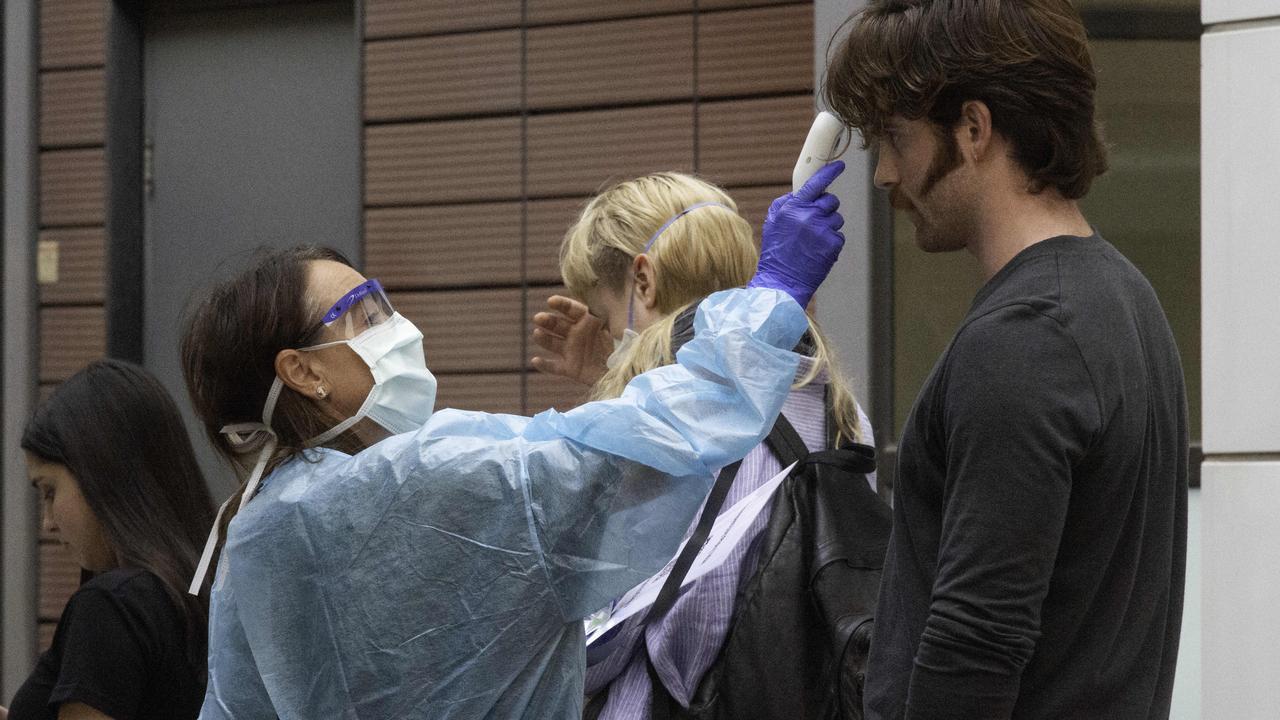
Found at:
(1027, 60)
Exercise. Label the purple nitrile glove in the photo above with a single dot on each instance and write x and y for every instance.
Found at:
(801, 238)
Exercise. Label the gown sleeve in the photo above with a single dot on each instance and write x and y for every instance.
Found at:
(614, 485)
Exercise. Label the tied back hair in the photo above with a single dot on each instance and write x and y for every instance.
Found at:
(229, 344)
(705, 251)
(120, 435)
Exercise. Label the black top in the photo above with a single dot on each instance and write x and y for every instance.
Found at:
(1037, 560)
(120, 647)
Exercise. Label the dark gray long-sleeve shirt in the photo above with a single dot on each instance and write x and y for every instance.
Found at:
(1037, 561)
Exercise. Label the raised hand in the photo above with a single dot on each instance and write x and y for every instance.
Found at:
(572, 342)
(801, 238)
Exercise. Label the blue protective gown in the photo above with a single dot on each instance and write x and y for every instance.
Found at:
(444, 573)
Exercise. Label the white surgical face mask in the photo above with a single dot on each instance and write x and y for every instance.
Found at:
(404, 390)
(401, 400)
(621, 348)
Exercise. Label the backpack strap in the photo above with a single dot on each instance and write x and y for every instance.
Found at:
(661, 705)
(856, 459)
(715, 500)
(786, 443)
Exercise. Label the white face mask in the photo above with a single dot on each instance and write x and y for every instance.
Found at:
(402, 399)
(404, 390)
(621, 348)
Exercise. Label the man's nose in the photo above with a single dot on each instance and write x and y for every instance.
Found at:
(886, 171)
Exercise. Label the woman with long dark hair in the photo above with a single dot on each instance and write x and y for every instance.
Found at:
(121, 490)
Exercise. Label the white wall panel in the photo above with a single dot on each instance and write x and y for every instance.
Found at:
(1241, 240)
(1187, 684)
(1241, 583)
(1217, 11)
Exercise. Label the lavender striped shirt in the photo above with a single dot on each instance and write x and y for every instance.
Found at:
(687, 641)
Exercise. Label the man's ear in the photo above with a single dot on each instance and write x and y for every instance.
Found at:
(974, 131)
(298, 372)
(646, 286)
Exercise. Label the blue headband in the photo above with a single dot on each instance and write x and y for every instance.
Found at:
(665, 225)
(679, 215)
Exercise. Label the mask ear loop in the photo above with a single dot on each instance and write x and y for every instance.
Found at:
(333, 432)
(241, 435)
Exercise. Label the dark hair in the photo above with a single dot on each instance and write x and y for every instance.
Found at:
(1027, 60)
(229, 346)
(119, 433)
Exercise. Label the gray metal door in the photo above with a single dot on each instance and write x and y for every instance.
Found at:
(253, 134)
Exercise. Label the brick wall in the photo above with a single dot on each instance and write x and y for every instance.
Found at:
(72, 236)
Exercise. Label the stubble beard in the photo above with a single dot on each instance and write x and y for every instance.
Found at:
(949, 229)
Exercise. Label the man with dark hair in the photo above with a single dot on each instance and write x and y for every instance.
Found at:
(1037, 561)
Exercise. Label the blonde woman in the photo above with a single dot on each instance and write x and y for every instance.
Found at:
(640, 257)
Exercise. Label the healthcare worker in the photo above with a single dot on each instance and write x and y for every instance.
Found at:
(638, 259)
(388, 562)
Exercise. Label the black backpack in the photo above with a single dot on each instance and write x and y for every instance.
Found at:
(798, 641)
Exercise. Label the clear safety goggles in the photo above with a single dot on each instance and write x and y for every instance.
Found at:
(364, 307)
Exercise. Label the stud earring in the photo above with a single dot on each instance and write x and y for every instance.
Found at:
(321, 392)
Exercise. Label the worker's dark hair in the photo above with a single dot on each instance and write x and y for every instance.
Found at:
(229, 344)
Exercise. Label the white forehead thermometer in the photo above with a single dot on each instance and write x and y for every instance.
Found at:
(819, 148)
